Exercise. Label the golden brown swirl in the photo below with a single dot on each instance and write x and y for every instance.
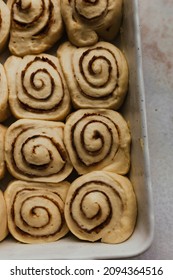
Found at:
(97, 76)
(101, 205)
(3, 217)
(4, 108)
(4, 24)
(37, 87)
(98, 139)
(2, 148)
(34, 151)
(36, 211)
(35, 27)
(86, 20)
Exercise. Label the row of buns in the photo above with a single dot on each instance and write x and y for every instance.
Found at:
(98, 206)
(46, 151)
(35, 26)
(44, 86)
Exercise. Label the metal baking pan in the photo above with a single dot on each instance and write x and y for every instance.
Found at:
(134, 112)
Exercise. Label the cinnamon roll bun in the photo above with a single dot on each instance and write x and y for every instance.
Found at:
(97, 76)
(2, 148)
(35, 25)
(87, 20)
(34, 151)
(4, 108)
(3, 217)
(37, 88)
(36, 211)
(98, 140)
(4, 24)
(101, 205)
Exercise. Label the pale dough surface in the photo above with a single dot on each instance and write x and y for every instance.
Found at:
(3, 217)
(2, 148)
(35, 25)
(86, 21)
(34, 151)
(101, 205)
(97, 76)
(4, 108)
(37, 89)
(38, 211)
(98, 140)
(4, 24)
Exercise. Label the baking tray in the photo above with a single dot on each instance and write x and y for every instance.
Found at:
(134, 112)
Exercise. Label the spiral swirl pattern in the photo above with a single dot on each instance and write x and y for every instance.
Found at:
(37, 87)
(36, 25)
(2, 148)
(97, 76)
(4, 109)
(3, 217)
(36, 211)
(87, 20)
(101, 205)
(4, 24)
(98, 139)
(34, 151)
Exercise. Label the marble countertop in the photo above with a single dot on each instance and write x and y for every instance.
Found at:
(156, 23)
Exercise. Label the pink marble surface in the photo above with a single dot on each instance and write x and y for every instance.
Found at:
(156, 22)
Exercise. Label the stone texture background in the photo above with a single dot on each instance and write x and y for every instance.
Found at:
(156, 23)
